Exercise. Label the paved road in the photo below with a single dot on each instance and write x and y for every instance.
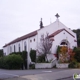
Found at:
(39, 74)
(16, 73)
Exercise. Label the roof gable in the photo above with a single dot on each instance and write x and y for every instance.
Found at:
(58, 31)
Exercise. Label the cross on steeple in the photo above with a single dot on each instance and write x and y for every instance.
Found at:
(57, 15)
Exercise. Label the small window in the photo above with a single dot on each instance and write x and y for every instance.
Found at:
(30, 40)
(64, 33)
(34, 39)
(10, 49)
(25, 46)
(19, 47)
(14, 48)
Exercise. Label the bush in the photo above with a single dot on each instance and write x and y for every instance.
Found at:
(24, 57)
(73, 64)
(1, 53)
(41, 59)
(31, 66)
(58, 51)
(11, 62)
(78, 65)
(77, 54)
(33, 55)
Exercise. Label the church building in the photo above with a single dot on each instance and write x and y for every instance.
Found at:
(58, 32)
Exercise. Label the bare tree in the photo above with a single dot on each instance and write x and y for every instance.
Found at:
(45, 45)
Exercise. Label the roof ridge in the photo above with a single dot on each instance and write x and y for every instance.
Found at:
(22, 38)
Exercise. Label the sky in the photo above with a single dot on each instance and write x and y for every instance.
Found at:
(19, 17)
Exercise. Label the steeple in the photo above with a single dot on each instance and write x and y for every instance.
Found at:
(41, 24)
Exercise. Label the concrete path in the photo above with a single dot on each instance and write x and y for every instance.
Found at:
(61, 75)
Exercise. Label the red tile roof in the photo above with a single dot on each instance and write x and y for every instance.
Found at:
(22, 38)
(58, 31)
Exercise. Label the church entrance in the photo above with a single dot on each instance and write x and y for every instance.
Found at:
(65, 43)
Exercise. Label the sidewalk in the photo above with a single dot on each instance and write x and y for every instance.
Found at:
(49, 76)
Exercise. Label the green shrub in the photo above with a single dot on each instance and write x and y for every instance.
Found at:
(31, 66)
(78, 65)
(24, 57)
(73, 64)
(58, 51)
(41, 59)
(77, 54)
(33, 55)
(11, 62)
(1, 53)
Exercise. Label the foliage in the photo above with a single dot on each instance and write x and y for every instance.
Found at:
(45, 46)
(11, 62)
(77, 31)
(78, 65)
(31, 66)
(73, 64)
(58, 51)
(33, 55)
(64, 50)
(1, 53)
(72, 54)
(77, 54)
(24, 57)
(41, 58)
(75, 49)
(63, 55)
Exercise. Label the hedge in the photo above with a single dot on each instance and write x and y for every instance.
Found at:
(33, 55)
(24, 57)
(11, 62)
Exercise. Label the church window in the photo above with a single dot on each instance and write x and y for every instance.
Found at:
(19, 48)
(34, 39)
(42, 37)
(14, 48)
(25, 48)
(30, 40)
(10, 49)
(63, 43)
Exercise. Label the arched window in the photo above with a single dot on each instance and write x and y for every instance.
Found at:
(10, 49)
(19, 48)
(25, 47)
(63, 43)
(14, 48)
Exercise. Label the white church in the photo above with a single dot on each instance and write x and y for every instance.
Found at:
(58, 32)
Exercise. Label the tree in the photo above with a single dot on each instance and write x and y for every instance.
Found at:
(63, 55)
(1, 52)
(45, 46)
(77, 31)
(33, 55)
(77, 54)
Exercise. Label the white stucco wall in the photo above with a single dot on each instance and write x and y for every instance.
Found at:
(57, 25)
(52, 28)
(61, 36)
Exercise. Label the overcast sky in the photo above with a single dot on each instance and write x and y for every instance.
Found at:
(19, 17)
